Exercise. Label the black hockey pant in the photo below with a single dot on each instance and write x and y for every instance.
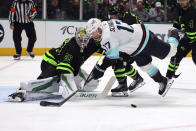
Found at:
(48, 70)
(30, 32)
(155, 47)
(183, 49)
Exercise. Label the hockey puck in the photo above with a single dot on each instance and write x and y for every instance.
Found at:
(134, 106)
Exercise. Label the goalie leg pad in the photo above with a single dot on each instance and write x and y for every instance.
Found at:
(68, 84)
(80, 80)
(46, 85)
(35, 89)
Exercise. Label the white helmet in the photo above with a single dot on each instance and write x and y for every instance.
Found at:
(92, 25)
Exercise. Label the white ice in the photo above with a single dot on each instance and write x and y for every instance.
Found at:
(175, 112)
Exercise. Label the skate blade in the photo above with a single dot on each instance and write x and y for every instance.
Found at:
(168, 87)
(140, 85)
(120, 94)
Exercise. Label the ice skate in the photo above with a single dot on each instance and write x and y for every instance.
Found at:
(30, 54)
(164, 86)
(17, 56)
(120, 90)
(18, 96)
(139, 82)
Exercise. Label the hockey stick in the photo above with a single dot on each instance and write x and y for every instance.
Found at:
(89, 78)
(98, 94)
(108, 86)
(58, 104)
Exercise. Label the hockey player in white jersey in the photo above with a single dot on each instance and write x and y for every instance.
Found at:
(137, 41)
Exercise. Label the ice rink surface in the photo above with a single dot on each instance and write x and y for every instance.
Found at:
(175, 112)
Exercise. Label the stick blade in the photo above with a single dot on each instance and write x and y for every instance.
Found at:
(109, 86)
(47, 103)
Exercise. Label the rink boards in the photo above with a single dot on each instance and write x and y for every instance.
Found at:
(52, 34)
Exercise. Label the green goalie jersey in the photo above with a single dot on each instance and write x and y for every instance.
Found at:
(68, 58)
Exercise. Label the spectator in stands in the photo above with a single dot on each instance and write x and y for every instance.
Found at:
(127, 6)
(120, 2)
(89, 7)
(111, 2)
(156, 14)
(38, 4)
(172, 10)
(67, 6)
(103, 10)
(74, 9)
(194, 3)
(140, 12)
(4, 10)
(133, 4)
(148, 4)
(54, 11)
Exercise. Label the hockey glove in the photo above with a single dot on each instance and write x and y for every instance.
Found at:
(127, 58)
(98, 72)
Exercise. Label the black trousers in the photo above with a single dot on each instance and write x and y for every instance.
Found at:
(183, 49)
(155, 47)
(48, 70)
(30, 32)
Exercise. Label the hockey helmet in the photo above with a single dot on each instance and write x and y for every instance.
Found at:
(92, 25)
(82, 38)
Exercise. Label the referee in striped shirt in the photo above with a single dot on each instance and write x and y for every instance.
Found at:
(22, 12)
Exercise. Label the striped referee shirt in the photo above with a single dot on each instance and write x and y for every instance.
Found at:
(20, 9)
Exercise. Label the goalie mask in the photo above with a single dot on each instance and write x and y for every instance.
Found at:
(82, 38)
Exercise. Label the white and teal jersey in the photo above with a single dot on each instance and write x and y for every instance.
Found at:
(118, 36)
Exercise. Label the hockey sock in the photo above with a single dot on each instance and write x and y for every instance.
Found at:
(120, 75)
(133, 73)
(171, 69)
(157, 77)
